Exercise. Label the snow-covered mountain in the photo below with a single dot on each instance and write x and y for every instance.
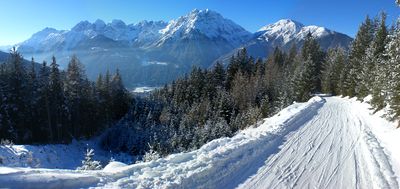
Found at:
(207, 23)
(286, 30)
(200, 37)
(285, 33)
(155, 52)
(50, 39)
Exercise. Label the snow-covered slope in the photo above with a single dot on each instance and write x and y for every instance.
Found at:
(328, 142)
(55, 156)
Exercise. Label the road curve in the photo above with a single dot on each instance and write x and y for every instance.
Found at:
(334, 149)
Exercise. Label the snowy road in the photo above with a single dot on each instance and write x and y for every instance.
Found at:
(324, 143)
(334, 149)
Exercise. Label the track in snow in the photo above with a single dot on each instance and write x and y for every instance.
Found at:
(334, 149)
(324, 143)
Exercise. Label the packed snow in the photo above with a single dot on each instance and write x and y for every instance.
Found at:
(327, 142)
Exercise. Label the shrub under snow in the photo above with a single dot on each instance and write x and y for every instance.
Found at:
(89, 163)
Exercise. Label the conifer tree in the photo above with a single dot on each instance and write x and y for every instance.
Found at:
(74, 85)
(359, 46)
(393, 61)
(120, 97)
(374, 55)
(307, 77)
(44, 102)
(304, 80)
(334, 64)
(19, 95)
(312, 53)
(88, 163)
(56, 99)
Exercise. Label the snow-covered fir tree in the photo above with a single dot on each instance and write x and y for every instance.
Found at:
(88, 163)
(393, 61)
(359, 46)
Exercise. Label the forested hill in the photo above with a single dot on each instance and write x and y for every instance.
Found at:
(48, 105)
(4, 57)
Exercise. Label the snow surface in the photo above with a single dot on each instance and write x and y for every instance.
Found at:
(144, 89)
(328, 142)
(55, 156)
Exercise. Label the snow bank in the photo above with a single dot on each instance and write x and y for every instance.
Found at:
(55, 156)
(45, 178)
(114, 166)
(386, 132)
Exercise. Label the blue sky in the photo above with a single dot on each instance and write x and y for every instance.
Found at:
(19, 19)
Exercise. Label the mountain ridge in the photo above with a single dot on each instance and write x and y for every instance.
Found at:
(198, 38)
(286, 32)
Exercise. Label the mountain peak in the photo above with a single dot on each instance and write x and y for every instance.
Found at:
(48, 30)
(287, 30)
(204, 15)
(99, 24)
(118, 23)
(284, 24)
(194, 11)
(289, 21)
(206, 23)
(81, 26)
(203, 12)
(144, 23)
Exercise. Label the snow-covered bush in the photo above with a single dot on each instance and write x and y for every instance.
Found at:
(27, 160)
(31, 161)
(151, 155)
(6, 142)
(88, 163)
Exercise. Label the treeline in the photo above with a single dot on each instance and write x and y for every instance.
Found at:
(371, 67)
(42, 104)
(209, 104)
